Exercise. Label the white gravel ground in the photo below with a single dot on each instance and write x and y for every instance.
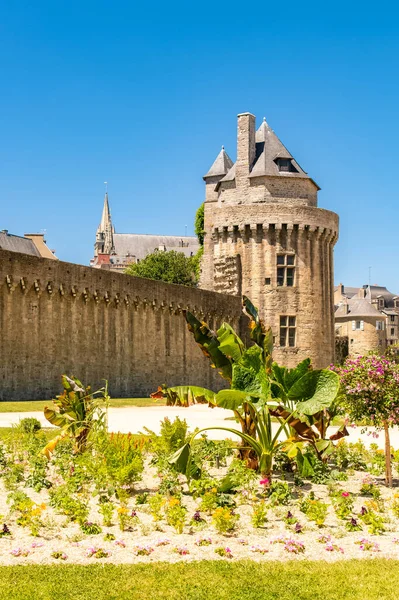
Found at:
(133, 419)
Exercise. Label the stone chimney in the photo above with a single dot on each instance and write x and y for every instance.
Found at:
(246, 148)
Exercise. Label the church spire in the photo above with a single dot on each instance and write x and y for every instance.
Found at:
(104, 237)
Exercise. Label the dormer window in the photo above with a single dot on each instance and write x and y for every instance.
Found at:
(285, 165)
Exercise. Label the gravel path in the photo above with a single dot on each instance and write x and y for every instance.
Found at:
(133, 419)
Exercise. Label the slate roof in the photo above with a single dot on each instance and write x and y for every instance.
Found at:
(140, 245)
(16, 243)
(378, 290)
(357, 307)
(349, 292)
(221, 166)
(268, 149)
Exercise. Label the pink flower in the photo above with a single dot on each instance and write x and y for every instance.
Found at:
(264, 482)
(345, 494)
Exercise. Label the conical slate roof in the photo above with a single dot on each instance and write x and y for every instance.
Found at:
(221, 166)
(357, 307)
(268, 149)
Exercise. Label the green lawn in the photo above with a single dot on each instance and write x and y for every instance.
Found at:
(38, 405)
(376, 579)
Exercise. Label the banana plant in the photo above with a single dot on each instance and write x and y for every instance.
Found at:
(302, 398)
(78, 412)
(264, 444)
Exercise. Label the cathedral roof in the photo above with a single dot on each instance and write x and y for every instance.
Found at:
(140, 245)
(221, 166)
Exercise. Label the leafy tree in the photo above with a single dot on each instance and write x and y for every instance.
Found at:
(171, 267)
(371, 394)
(199, 224)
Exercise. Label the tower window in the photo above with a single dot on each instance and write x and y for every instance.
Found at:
(379, 325)
(287, 331)
(267, 281)
(285, 165)
(285, 269)
(392, 331)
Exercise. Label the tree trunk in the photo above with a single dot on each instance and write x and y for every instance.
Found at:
(388, 467)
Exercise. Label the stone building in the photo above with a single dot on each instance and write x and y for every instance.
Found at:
(362, 324)
(379, 303)
(32, 243)
(114, 251)
(265, 237)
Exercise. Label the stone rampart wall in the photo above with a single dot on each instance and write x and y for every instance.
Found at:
(57, 317)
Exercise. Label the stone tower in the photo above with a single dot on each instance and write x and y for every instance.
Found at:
(105, 232)
(266, 238)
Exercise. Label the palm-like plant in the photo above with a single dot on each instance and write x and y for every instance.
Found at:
(78, 412)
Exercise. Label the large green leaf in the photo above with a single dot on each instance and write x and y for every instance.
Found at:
(231, 399)
(209, 344)
(249, 374)
(180, 458)
(185, 395)
(260, 334)
(229, 343)
(316, 390)
(55, 418)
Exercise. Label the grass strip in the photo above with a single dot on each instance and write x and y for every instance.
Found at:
(367, 579)
(38, 405)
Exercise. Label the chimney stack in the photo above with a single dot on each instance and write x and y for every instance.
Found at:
(246, 148)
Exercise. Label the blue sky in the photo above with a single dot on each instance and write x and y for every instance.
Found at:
(143, 95)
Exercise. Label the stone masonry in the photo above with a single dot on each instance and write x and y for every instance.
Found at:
(264, 230)
(57, 317)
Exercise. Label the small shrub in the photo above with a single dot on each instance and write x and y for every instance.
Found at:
(90, 528)
(29, 425)
(156, 504)
(224, 520)
(175, 514)
(224, 552)
(279, 492)
(259, 514)
(315, 510)
(106, 510)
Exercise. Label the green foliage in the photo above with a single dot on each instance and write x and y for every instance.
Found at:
(171, 266)
(156, 504)
(259, 514)
(350, 455)
(78, 412)
(238, 476)
(314, 509)
(106, 510)
(175, 514)
(90, 528)
(73, 506)
(199, 225)
(279, 493)
(224, 520)
(374, 522)
(117, 462)
(303, 400)
(29, 425)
